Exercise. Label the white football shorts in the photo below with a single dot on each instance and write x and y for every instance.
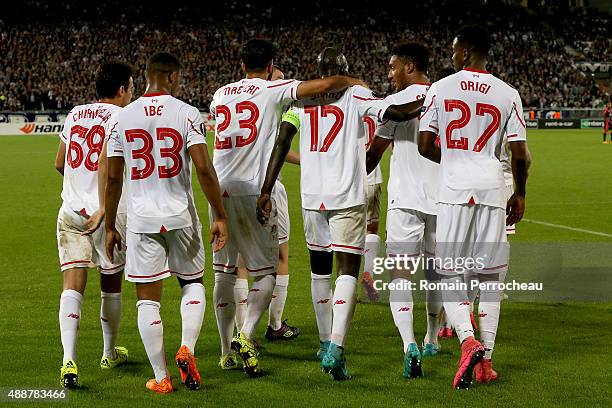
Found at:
(257, 244)
(336, 230)
(410, 233)
(80, 251)
(282, 206)
(155, 256)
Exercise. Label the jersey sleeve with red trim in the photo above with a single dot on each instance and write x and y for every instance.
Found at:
(196, 131)
(284, 91)
(428, 121)
(368, 104)
(515, 129)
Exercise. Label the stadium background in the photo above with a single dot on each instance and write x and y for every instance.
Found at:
(549, 353)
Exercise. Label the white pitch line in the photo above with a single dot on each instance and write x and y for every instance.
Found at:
(565, 227)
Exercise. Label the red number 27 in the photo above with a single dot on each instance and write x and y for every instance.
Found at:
(481, 110)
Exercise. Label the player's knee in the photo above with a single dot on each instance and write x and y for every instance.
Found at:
(321, 262)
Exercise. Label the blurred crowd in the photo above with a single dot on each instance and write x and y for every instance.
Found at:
(50, 61)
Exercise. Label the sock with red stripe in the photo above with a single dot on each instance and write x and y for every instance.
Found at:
(400, 301)
(257, 303)
(277, 304)
(457, 308)
(110, 318)
(488, 312)
(69, 320)
(225, 308)
(193, 304)
(321, 291)
(343, 308)
(241, 293)
(151, 331)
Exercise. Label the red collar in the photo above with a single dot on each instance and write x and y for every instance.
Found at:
(155, 94)
(476, 70)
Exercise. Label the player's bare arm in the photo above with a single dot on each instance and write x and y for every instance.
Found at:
(333, 83)
(428, 148)
(279, 153)
(521, 160)
(375, 152)
(114, 185)
(207, 177)
(60, 158)
(293, 157)
(404, 112)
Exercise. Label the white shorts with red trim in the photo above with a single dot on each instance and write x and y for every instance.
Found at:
(256, 244)
(410, 232)
(471, 237)
(155, 256)
(510, 229)
(336, 230)
(80, 251)
(282, 206)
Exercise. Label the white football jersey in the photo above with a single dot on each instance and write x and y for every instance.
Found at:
(85, 129)
(247, 114)
(413, 180)
(472, 111)
(332, 146)
(152, 134)
(370, 122)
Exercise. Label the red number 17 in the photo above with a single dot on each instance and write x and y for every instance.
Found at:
(313, 112)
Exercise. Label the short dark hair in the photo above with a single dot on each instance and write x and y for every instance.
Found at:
(163, 63)
(257, 54)
(413, 52)
(110, 77)
(476, 38)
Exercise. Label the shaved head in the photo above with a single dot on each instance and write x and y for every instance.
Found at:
(331, 62)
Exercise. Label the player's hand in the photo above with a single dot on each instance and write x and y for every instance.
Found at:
(93, 222)
(113, 239)
(264, 208)
(515, 209)
(218, 234)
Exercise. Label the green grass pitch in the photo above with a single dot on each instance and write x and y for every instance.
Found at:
(547, 353)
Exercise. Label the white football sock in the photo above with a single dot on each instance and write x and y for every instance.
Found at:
(241, 293)
(151, 331)
(110, 317)
(321, 291)
(259, 300)
(457, 308)
(69, 319)
(488, 312)
(434, 308)
(343, 307)
(401, 305)
(277, 304)
(372, 243)
(225, 308)
(193, 304)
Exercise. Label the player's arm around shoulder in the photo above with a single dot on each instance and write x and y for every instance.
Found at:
(334, 83)
(429, 127)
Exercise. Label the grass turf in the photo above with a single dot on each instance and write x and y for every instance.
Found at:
(547, 353)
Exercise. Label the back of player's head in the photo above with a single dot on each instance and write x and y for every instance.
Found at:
(257, 55)
(110, 77)
(331, 62)
(162, 63)
(444, 72)
(413, 52)
(476, 38)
